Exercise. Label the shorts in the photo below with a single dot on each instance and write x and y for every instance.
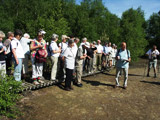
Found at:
(152, 63)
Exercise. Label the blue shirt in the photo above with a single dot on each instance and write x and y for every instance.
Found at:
(124, 55)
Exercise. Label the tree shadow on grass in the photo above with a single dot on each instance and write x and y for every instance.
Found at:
(122, 75)
(60, 85)
(155, 83)
(97, 83)
(108, 74)
(134, 75)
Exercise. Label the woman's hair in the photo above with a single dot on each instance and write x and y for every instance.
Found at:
(9, 34)
(84, 39)
(2, 35)
(54, 37)
(70, 42)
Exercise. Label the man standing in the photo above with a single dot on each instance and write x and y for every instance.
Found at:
(99, 54)
(18, 54)
(79, 64)
(7, 43)
(152, 54)
(123, 58)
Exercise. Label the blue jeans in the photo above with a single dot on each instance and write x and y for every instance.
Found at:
(17, 69)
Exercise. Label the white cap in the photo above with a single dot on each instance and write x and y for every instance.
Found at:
(26, 35)
(64, 37)
(87, 44)
(41, 32)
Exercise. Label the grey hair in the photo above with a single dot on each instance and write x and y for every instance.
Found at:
(26, 35)
(54, 36)
(84, 39)
(2, 35)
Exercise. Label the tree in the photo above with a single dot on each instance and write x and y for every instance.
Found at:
(133, 32)
(153, 29)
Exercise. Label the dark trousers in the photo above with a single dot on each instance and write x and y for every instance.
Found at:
(69, 77)
(8, 64)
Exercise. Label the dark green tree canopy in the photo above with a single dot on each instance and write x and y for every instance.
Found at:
(90, 19)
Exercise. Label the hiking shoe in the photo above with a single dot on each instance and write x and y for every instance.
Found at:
(41, 78)
(116, 86)
(125, 87)
(67, 89)
(155, 76)
(80, 85)
(35, 82)
(40, 81)
(71, 88)
(148, 75)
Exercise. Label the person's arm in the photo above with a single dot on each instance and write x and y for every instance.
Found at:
(55, 51)
(35, 47)
(84, 56)
(102, 50)
(148, 52)
(14, 55)
(129, 55)
(65, 55)
(2, 50)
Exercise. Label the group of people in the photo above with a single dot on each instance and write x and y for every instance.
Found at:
(67, 58)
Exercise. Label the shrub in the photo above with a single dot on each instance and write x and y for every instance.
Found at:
(9, 95)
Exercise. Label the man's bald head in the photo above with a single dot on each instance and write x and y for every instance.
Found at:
(98, 42)
(123, 45)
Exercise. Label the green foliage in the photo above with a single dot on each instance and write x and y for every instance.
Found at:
(153, 29)
(133, 32)
(90, 19)
(9, 89)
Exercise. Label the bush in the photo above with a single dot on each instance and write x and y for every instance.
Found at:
(9, 95)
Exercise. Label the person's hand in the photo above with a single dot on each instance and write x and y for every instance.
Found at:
(59, 50)
(118, 57)
(46, 56)
(17, 62)
(89, 57)
(85, 55)
(40, 46)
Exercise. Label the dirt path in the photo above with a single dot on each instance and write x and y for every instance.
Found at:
(97, 100)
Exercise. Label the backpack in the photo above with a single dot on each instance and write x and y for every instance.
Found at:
(126, 50)
(49, 51)
(40, 56)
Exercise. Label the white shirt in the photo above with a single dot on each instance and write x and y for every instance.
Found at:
(107, 50)
(151, 53)
(75, 49)
(19, 50)
(69, 58)
(114, 52)
(53, 46)
(24, 42)
(63, 47)
(99, 48)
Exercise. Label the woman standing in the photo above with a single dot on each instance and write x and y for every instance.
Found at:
(37, 64)
(55, 52)
(69, 58)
